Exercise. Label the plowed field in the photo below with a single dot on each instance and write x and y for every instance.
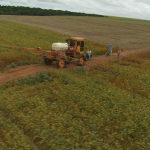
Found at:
(124, 33)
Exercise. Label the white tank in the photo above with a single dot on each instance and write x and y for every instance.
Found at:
(60, 46)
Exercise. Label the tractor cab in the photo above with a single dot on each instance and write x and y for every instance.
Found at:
(65, 52)
(76, 45)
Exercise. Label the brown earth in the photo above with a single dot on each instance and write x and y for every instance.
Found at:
(23, 71)
(124, 33)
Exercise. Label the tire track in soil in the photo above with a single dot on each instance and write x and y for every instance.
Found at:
(24, 71)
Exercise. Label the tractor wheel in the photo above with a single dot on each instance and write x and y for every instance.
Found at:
(61, 63)
(81, 60)
(48, 61)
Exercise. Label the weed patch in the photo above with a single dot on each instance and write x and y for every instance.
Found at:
(13, 65)
(80, 71)
(24, 62)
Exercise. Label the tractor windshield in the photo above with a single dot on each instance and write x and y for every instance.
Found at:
(72, 42)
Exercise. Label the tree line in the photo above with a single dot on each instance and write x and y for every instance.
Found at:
(21, 10)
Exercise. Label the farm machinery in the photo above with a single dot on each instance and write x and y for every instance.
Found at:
(63, 53)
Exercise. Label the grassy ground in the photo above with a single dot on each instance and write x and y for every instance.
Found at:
(79, 110)
(75, 109)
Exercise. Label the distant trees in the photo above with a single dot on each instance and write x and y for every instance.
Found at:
(21, 10)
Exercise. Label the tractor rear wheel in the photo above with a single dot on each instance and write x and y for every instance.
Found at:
(48, 61)
(61, 63)
(81, 60)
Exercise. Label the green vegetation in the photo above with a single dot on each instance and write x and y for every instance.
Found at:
(13, 65)
(21, 10)
(77, 109)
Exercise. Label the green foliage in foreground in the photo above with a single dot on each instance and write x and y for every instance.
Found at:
(78, 109)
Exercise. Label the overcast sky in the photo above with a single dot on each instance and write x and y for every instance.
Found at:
(124, 8)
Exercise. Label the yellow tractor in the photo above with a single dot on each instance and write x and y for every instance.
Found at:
(64, 52)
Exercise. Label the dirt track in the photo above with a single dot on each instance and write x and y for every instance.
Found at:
(23, 71)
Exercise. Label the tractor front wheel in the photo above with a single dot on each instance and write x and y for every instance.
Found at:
(81, 60)
(48, 61)
(61, 63)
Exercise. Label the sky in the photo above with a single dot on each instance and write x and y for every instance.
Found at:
(139, 9)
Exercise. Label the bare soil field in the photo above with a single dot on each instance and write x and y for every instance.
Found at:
(126, 34)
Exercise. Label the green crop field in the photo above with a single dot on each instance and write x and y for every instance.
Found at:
(72, 109)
